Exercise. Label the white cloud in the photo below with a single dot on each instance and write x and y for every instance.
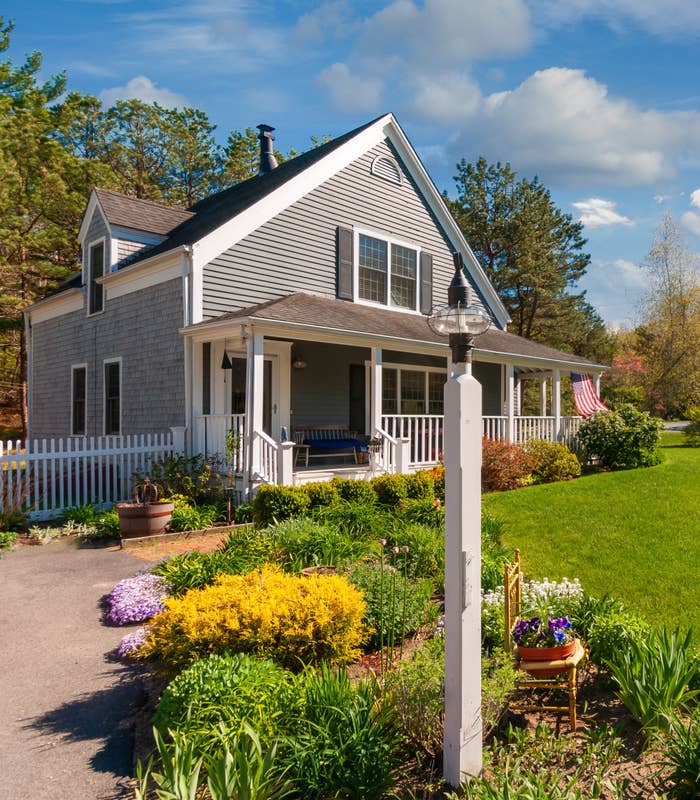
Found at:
(351, 92)
(564, 126)
(661, 198)
(142, 88)
(695, 198)
(596, 213)
(664, 17)
(691, 222)
(446, 99)
(327, 20)
(614, 289)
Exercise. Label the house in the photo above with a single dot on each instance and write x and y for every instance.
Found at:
(292, 304)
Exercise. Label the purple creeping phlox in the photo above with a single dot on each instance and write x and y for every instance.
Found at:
(535, 632)
(131, 642)
(136, 599)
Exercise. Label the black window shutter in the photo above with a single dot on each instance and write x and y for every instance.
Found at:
(426, 283)
(345, 263)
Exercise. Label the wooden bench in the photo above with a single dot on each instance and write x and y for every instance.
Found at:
(322, 441)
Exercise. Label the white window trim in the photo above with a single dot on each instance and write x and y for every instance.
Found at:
(390, 240)
(105, 363)
(73, 368)
(105, 271)
(413, 368)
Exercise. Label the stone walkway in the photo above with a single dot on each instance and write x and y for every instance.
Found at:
(65, 705)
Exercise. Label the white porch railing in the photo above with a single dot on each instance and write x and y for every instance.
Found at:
(209, 437)
(424, 431)
(46, 476)
(525, 428)
(495, 427)
(383, 458)
(265, 450)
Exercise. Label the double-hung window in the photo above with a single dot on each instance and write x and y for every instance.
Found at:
(412, 391)
(96, 268)
(387, 272)
(78, 400)
(112, 396)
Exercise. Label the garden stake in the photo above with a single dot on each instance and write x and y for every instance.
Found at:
(404, 550)
(382, 542)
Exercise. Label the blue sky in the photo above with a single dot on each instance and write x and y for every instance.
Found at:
(600, 98)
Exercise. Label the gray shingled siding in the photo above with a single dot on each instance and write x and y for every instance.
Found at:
(142, 328)
(321, 392)
(126, 248)
(96, 230)
(296, 250)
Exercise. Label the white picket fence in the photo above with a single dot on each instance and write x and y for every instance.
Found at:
(46, 476)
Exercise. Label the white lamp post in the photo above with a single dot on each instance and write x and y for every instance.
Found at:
(461, 321)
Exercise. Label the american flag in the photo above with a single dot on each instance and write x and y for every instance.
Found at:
(585, 398)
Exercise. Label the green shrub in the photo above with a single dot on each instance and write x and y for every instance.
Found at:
(391, 489)
(355, 491)
(553, 461)
(620, 439)
(395, 606)
(193, 518)
(358, 520)
(425, 557)
(241, 552)
(424, 512)
(322, 493)
(680, 754)
(347, 742)
(438, 477)
(196, 477)
(7, 539)
(292, 620)
(493, 554)
(229, 690)
(691, 433)
(243, 513)
(107, 524)
(652, 676)
(304, 542)
(276, 503)
(420, 486)
(503, 466)
(87, 514)
(415, 688)
(497, 684)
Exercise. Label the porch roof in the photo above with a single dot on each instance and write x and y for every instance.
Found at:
(300, 311)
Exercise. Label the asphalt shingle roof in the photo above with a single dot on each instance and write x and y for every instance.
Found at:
(301, 308)
(141, 215)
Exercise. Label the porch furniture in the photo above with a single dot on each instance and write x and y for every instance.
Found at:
(557, 674)
(300, 448)
(328, 441)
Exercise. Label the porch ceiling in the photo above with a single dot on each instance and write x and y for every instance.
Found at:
(300, 312)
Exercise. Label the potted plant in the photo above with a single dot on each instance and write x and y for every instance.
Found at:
(147, 514)
(538, 639)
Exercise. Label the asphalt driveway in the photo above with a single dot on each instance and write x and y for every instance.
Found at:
(65, 705)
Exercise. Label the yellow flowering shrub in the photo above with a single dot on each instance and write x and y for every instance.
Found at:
(293, 620)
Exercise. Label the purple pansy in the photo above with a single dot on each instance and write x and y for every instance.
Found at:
(534, 632)
(136, 599)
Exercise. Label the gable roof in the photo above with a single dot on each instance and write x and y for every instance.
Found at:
(307, 311)
(211, 212)
(142, 215)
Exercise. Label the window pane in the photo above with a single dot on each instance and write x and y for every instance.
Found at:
(112, 399)
(412, 392)
(96, 292)
(436, 389)
(78, 410)
(372, 269)
(389, 400)
(403, 276)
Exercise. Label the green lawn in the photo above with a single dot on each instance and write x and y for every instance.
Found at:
(633, 534)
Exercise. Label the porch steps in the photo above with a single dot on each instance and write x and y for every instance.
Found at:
(361, 472)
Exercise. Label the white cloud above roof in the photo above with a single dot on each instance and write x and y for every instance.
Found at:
(142, 88)
(597, 213)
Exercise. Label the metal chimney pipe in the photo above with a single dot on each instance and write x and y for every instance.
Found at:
(268, 162)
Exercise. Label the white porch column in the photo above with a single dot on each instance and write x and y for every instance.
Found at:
(255, 348)
(543, 396)
(556, 403)
(510, 402)
(403, 456)
(462, 727)
(285, 464)
(178, 432)
(597, 384)
(375, 401)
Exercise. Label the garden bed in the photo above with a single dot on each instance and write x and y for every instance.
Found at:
(177, 542)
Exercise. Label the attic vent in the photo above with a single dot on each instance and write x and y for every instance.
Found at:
(385, 167)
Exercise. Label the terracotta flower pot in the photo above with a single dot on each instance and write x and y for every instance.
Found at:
(558, 653)
(139, 519)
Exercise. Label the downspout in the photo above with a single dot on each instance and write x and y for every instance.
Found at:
(187, 305)
(30, 372)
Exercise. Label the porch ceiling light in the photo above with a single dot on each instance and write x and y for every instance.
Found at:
(299, 362)
(459, 319)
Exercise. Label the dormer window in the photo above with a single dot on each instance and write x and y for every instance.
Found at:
(95, 269)
(387, 272)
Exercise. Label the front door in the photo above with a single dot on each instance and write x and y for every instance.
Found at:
(270, 404)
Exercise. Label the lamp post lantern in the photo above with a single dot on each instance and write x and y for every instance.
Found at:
(461, 321)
